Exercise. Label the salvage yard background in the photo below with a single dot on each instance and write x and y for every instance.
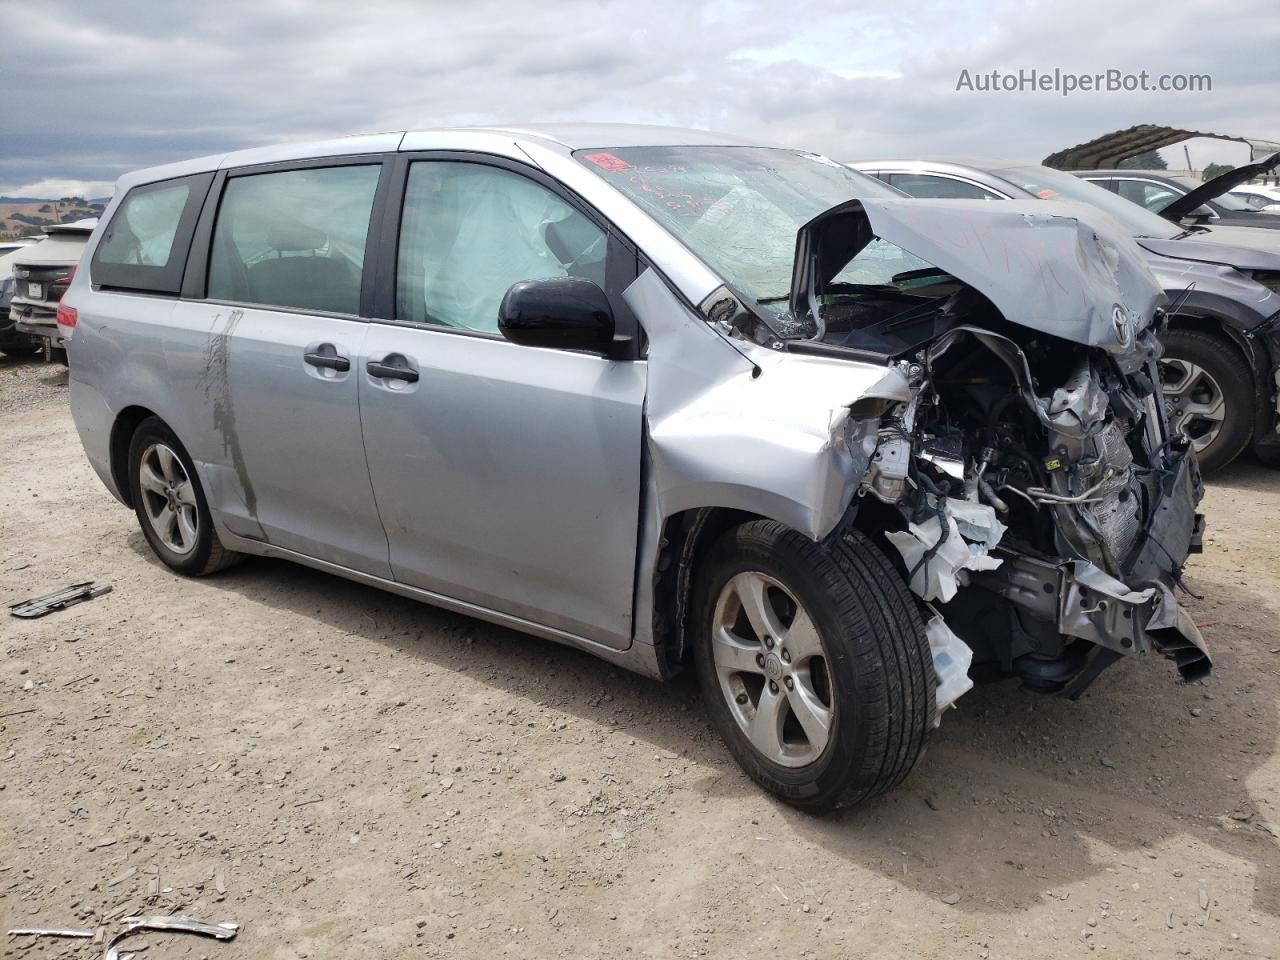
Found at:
(349, 773)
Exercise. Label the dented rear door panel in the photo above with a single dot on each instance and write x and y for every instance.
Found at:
(278, 439)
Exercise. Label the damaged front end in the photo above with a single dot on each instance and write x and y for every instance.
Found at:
(1038, 499)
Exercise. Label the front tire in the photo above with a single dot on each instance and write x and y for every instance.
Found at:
(170, 503)
(1208, 392)
(813, 663)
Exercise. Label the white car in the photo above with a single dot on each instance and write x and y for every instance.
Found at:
(41, 274)
(1266, 199)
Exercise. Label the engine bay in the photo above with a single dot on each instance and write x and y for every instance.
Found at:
(1047, 510)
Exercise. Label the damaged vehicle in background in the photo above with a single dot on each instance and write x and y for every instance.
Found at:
(41, 274)
(11, 341)
(661, 395)
(1190, 202)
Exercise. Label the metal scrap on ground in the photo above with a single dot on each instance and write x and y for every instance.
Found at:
(58, 600)
(132, 925)
(174, 924)
(50, 932)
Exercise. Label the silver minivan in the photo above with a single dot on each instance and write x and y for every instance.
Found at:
(662, 395)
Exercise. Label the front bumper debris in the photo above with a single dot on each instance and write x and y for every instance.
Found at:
(1085, 602)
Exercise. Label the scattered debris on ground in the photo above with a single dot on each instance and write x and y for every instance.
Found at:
(58, 600)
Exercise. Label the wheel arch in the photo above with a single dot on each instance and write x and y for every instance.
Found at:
(687, 535)
(122, 431)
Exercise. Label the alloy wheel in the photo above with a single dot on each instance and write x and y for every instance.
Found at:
(1193, 400)
(169, 499)
(772, 669)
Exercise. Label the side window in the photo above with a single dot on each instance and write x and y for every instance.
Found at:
(1153, 196)
(294, 238)
(145, 245)
(928, 185)
(469, 231)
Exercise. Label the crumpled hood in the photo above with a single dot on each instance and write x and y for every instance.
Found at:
(1068, 270)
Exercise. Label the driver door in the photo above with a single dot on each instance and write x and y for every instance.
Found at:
(506, 476)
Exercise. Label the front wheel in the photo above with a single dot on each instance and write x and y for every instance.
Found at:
(813, 663)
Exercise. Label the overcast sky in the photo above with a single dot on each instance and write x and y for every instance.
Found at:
(91, 89)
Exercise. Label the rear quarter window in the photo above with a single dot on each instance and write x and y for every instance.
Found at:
(146, 242)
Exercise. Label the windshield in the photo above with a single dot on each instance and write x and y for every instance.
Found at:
(738, 208)
(1049, 184)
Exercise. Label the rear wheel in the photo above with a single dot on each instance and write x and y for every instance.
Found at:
(170, 503)
(813, 663)
(1208, 394)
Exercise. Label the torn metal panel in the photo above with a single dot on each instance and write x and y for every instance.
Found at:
(1084, 602)
(731, 424)
(59, 599)
(173, 924)
(951, 660)
(934, 555)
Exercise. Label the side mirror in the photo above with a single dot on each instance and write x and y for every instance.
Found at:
(565, 312)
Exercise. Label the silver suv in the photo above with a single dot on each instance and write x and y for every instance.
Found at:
(664, 396)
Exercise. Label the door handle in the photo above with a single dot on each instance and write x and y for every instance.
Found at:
(329, 362)
(389, 372)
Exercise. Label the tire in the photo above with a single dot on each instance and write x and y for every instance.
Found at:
(190, 547)
(1224, 375)
(876, 668)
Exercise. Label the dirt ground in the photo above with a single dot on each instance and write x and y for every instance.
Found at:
(351, 774)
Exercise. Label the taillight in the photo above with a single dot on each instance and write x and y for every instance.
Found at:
(64, 282)
(67, 316)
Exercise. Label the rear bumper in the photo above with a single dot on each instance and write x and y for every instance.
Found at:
(35, 322)
(94, 421)
(10, 335)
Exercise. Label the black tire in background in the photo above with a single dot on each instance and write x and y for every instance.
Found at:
(1223, 363)
(880, 668)
(208, 555)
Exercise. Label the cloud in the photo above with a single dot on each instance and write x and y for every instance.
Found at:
(89, 189)
(131, 84)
